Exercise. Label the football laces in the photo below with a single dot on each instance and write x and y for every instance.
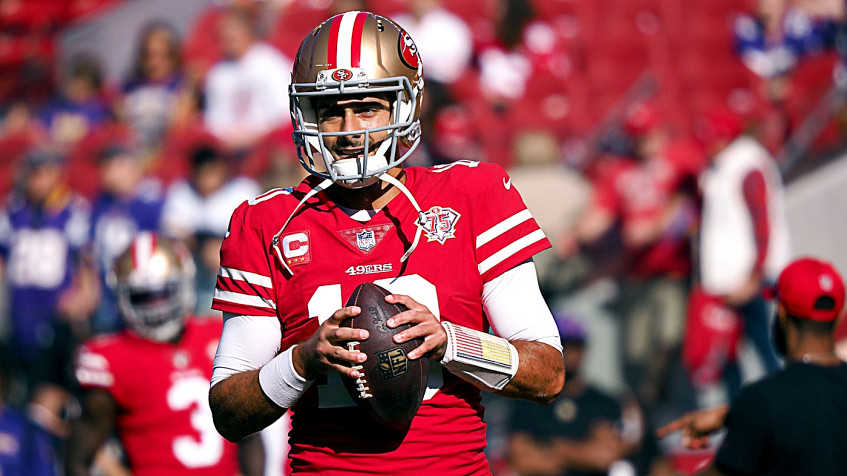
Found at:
(361, 381)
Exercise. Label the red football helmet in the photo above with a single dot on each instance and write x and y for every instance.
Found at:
(154, 283)
(353, 53)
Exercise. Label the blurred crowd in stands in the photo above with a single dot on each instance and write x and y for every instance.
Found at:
(639, 133)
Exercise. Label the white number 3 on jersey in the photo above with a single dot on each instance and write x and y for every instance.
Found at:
(184, 394)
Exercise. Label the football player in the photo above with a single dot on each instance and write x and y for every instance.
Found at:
(454, 243)
(150, 382)
(43, 231)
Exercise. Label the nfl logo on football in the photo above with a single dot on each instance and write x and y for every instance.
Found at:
(365, 240)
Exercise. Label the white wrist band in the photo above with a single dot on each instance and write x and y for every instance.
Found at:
(280, 382)
(485, 360)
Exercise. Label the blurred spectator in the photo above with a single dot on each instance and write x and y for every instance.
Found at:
(793, 422)
(501, 75)
(710, 350)
(771, 41)
(443, 39)
(777, 35)
(454, 137)
(503, 64)
(556, 195)
(522, 78)
(81, 106)
(43, 227)
(149, 383)
(744, 233)
(152, 94)
(17, 136)
(202, 48)
(198, 209)
(646, 196)
(26, 447)
(129, 201)
(243, 103)
(581, 433)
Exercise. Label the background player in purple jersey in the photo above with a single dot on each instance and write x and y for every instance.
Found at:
(129, 202)
(42, 229)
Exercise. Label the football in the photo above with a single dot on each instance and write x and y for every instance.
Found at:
(390, 387)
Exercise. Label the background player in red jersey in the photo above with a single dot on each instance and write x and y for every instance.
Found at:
(150, 382)
(456, 248)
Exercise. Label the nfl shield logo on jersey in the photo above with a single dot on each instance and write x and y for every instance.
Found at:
(439, 223)
(365, 240)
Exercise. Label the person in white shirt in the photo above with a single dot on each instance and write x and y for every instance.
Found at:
(242, 105)
(744, 233)
(197, 210)
(439, 34)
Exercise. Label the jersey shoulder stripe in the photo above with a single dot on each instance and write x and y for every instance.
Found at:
(511, 249)
(270, 194)
(239, 275)
(93, 367)
(244, 299)
(502, 227)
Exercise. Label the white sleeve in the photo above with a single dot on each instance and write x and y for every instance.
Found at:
(247, 343)
(517, 310)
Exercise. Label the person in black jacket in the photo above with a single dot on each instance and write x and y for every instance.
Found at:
(793, 422)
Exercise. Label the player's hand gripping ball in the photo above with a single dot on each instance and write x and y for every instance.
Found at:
(391, 386)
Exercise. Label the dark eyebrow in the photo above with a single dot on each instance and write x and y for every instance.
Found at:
(332, 105)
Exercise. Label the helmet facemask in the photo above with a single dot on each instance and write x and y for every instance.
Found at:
(355, 173)
(388, 67)
(155, 297)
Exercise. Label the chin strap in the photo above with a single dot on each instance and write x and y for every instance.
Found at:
(318, 188)
(326, 184)
(418, 223)
(348, 167)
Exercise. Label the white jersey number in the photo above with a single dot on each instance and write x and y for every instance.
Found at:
(39, 258)
(327, 299)
(185, 393)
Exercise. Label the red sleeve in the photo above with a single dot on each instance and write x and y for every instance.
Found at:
(95, 370)
(755, 195)
(505, 231)
(244, 283)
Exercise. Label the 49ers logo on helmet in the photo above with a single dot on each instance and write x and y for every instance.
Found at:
(342, 74)
(408, 50)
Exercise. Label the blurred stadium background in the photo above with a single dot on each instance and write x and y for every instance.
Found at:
(522, 83)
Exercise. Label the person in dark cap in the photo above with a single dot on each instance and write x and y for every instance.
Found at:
(793, 422)
(581, 433)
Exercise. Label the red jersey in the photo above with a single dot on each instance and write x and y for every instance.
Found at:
(475, 226)
(162, 394)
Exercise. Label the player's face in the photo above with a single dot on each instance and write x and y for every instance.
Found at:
(41, 180)
(353, 113)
